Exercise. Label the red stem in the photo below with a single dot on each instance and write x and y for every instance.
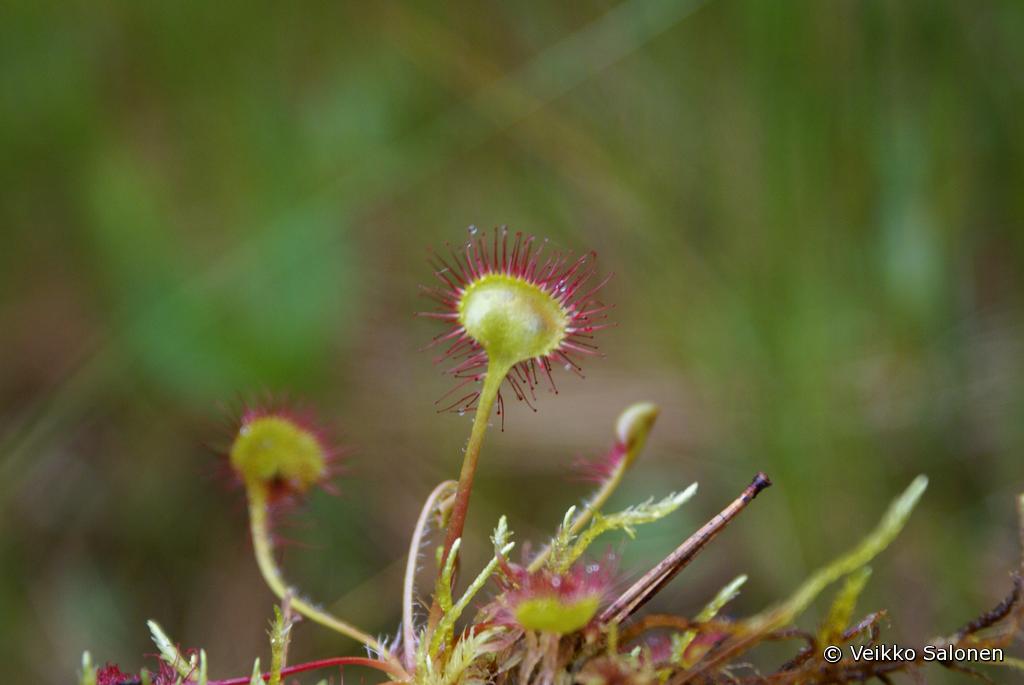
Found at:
(321, 663)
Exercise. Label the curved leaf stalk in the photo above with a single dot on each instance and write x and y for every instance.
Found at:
(632, 429)
(409, 585)
(264, 550)
(398, 674)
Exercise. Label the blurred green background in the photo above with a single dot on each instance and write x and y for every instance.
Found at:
(813, 210)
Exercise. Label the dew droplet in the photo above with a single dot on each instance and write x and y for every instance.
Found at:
(473, 230)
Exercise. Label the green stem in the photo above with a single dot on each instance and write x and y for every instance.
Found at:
(457, 520)
(263, 547)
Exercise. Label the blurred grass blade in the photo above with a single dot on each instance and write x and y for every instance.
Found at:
(841, 611)
(724, 596)
(756, 627)
(886, 531)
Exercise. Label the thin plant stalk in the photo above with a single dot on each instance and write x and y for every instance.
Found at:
(633, 442)
(264, 550)
(408, 588)
(457, 520)
(488, 395)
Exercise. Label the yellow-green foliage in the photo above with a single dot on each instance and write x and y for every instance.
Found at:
(886, 531)
(280, 634)
(681, 641)
(566, 548)
(453, 610)
(841, 611)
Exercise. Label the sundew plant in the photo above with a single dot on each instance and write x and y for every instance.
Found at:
(515, 315)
